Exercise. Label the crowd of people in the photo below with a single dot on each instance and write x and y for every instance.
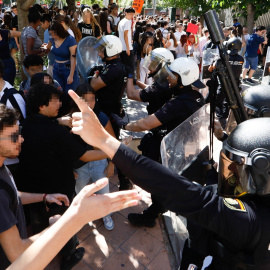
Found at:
(47, 157)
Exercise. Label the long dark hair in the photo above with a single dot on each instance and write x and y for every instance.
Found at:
(145, 36)
(82, 90)
(183, 40)
(159, 36)
(62, 18)
(173, 37)
(103, 19)
(59, 30)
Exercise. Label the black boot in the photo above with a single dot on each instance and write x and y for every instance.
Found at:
(146, 219)
(73, 259)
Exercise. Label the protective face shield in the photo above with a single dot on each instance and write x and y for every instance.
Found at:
(244, 166)
(162, 76)
(87, 56)
(153, 61)
(110, 45)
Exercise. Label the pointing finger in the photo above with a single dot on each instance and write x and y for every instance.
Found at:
(79, 101)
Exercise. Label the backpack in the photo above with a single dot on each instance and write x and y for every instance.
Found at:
(9, 95)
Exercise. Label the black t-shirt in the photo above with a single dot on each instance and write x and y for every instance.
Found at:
(4, 44)
(156, 95)
(11, 213)
(185, 102)
(14, 22)
(47, 156)
(109, 97)
(87, 30)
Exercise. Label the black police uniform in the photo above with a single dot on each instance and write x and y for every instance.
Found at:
(240, 226)
(156, 95)
(109, 97)
(222, 109)
(184, 103)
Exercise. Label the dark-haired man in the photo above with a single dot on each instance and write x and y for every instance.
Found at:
(251, 55)
(125, 34)
(48, 153)
(13, 236)
(44, 25)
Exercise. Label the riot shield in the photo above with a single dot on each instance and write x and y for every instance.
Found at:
(87, 56)
(266, 71)
(209, 57)
(188, 144)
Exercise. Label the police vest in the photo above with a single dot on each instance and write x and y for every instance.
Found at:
(256, 256)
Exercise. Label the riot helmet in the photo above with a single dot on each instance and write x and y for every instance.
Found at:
(110, 45)
(186, 68)
(234, 45)
(256, 100)
(244, 166)
(157, 58)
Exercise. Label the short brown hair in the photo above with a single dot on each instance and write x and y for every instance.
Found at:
(8, 117)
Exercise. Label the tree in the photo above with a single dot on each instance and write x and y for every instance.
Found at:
(248, 9)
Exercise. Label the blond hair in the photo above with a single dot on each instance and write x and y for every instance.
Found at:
(93, 21)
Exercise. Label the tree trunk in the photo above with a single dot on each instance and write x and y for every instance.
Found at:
(250, 17)
(23, 7)
(202, 21)
(71, 4)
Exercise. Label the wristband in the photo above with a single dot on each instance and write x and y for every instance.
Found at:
(135, 81)
(45, 202)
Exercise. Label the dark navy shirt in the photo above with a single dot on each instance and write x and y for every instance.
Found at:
(253, 45)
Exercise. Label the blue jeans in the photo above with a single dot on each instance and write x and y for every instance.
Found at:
(61, 72)
(9, 70)
(91, 172)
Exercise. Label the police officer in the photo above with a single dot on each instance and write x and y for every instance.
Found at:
(234, 223)
(234, 45)
(256, 100)
(156, 95)
(109, 85)
(181, 74)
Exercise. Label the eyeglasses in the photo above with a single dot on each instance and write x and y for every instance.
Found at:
(14, 137)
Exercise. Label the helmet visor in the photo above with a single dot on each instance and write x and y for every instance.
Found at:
(162, 76)
(153, 61)
(101, 44)
(234, 178)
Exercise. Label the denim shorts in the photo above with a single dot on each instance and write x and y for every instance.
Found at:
(251, 62)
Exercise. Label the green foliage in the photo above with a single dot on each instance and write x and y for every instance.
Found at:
(240, 7)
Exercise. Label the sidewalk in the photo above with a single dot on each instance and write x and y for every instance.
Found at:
(126, 246)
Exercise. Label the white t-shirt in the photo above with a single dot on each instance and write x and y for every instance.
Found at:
(171, 47)
(20, 101)
(124, 25)
(71, 32)
(178, 35)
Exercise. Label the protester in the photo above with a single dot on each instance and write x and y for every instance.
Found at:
(64, 47)
(125, 35)
(251, 56)
(5, 56)
(89, 26)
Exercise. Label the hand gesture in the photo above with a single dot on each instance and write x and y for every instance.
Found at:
(65, 121)
(88, 207)
(58, 199)
(86, 123)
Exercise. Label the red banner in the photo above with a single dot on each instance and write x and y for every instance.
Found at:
(137, 5)
(192, 28)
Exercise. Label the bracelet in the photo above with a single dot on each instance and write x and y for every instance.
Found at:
(44, 197)
(45, 202)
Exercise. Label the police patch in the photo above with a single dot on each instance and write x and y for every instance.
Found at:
(234, 204)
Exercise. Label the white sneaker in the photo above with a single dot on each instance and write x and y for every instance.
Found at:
(108, 223)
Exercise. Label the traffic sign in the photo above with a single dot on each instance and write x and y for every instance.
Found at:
(78, 3)
(1, 2)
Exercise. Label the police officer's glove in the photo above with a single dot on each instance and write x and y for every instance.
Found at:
(118, 121)
(94, 69)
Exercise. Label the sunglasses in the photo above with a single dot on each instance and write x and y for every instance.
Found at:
(14, 137)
